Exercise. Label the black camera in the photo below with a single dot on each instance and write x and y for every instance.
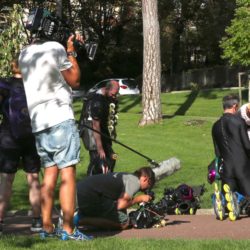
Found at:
(45, 25)
(150, 193)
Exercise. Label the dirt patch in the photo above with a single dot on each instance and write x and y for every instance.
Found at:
(194, 122)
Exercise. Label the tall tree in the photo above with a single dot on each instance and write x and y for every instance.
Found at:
(236, 44)
(151, 64)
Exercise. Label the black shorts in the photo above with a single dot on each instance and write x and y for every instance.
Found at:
(24, 157)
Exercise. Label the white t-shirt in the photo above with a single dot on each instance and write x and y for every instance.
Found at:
(49, 97)
(243, 113)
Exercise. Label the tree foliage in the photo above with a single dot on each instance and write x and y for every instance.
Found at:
(115, 25)
(235, 45)
(12, 36)
(191, 31)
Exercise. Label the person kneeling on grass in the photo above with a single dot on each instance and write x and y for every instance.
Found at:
(103, 199)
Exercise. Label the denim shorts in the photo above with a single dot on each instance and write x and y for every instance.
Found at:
(59, 145)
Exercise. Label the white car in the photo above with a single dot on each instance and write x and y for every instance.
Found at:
(78, 93)
(128, 86)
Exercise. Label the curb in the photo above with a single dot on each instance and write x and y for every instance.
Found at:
(12, 213)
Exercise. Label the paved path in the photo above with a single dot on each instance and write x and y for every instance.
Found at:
(200, 226)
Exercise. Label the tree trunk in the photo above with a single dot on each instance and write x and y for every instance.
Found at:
(151, 88)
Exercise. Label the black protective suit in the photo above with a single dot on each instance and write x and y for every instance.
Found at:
(98, 107)
(233, 146)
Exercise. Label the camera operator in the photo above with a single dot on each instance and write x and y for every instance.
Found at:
(49, 72)
(103, 199)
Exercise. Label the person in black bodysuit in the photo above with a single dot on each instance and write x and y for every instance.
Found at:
(100, 113)
(232, 145)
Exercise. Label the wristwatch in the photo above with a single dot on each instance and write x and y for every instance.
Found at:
(72, 53)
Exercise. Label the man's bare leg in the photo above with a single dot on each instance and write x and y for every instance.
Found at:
(67, 197)
(34, 193)
(6, 181)
(47, 196)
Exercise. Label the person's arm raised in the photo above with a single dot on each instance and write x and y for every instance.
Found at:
(72, 75)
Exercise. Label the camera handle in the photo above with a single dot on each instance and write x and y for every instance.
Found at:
(89, 47)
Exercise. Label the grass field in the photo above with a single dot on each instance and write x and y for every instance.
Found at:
(122, 244)
(185, 133)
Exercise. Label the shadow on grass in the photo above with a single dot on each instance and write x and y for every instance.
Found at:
(126, 107)
(187, 104)
(22, 242)
(184, 107)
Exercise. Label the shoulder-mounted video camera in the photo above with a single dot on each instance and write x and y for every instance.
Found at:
(45, 25)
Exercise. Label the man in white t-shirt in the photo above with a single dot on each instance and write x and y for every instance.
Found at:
(244, 112)
(49, 72)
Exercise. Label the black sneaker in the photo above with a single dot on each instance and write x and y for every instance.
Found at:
(36, 225)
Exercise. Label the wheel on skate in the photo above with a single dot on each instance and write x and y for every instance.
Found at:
(232, 203)
(218, 203)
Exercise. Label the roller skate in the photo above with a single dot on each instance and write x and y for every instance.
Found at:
(112, 120)
(218, 203)
(244, 204)
(232, 203)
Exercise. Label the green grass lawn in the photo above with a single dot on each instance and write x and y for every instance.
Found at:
(15, 242)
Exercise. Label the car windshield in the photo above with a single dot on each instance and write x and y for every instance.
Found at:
(130, 83)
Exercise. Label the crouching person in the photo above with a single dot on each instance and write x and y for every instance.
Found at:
(103, 199)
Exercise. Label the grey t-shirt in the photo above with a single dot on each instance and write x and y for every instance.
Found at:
(131, 183)
(111, 186)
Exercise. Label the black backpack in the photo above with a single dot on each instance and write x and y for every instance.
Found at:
(15, 108)
(181, 200)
